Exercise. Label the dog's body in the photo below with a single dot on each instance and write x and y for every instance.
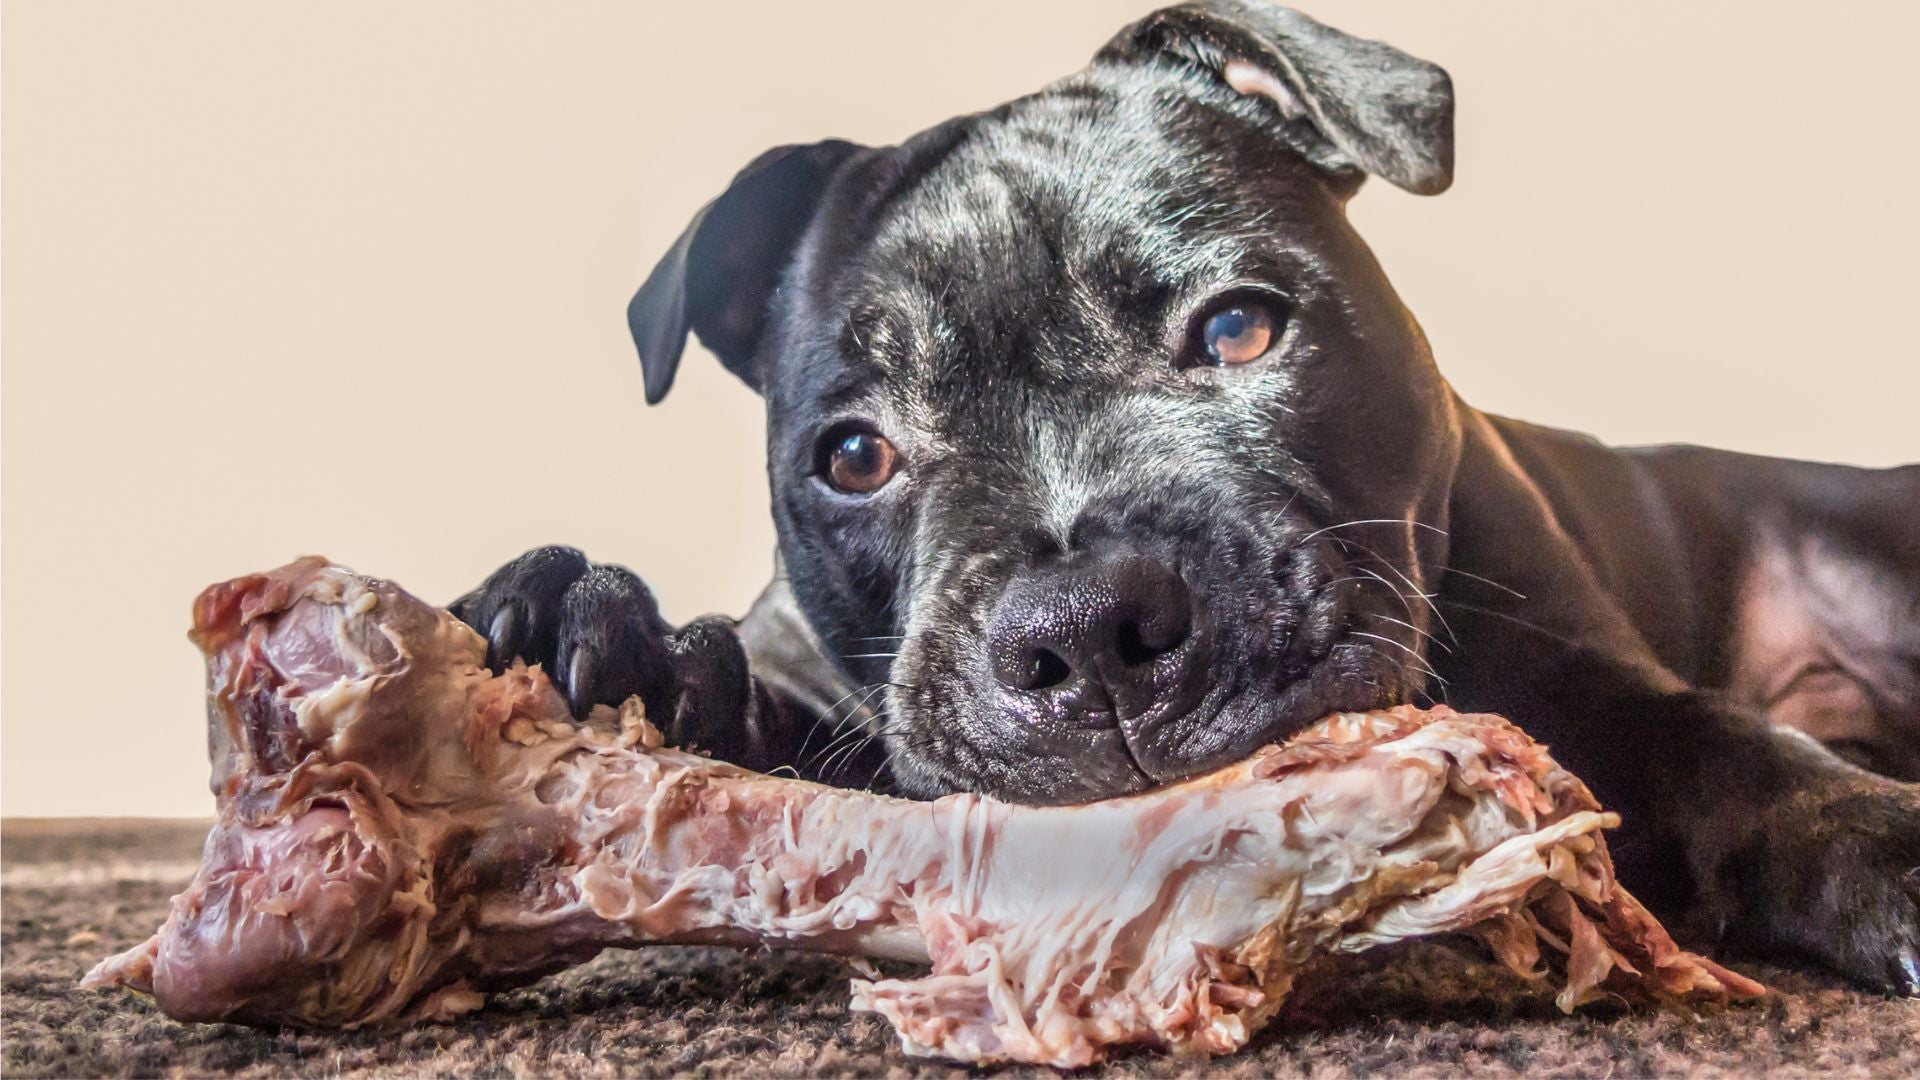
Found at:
(1792, 588)
(1103, 452)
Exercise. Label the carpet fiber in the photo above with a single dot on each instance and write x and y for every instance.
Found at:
(74, 891)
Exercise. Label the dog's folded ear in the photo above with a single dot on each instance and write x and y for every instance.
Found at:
(720, 274)
(1347, 104)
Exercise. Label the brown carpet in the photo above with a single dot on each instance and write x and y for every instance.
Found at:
(75, 891)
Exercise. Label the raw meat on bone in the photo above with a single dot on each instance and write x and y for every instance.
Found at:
(399, 831)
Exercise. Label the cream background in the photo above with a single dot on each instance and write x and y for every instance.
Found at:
(349, 278)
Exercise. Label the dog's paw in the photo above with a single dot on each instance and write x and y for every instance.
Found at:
(595, 628)
(1835, 876)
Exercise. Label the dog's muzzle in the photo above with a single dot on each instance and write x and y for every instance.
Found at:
(1093, 641)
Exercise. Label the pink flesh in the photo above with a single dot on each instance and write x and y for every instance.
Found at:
(399, 831)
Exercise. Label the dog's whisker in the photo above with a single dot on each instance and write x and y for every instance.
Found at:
(1426, 597)
(825, 715)
(1514, 619)
(1374, 521)
(1434, 641)
(853, 712)
(1401, 645)
(1418, 660)
(828, 715)
(829, 769)
(911, 743)
(807, 739)
(1370, 578)
(853, 724)
(1401, 596)
(827, 753)
(848, 754)
(1509, 590)
(1348, 543)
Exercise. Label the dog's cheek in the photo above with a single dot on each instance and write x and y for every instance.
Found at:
(841, 561)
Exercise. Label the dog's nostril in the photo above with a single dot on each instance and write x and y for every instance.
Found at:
(1136, 643)
(1143, 638)
(1045, 670)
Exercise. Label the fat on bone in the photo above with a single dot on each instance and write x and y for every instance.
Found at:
(399, 832)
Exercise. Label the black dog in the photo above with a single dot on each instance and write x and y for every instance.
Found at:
(1103, 453)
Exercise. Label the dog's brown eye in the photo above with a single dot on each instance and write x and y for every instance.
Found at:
(1238, 333)
(859, 462)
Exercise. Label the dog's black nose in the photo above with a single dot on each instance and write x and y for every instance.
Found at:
(1094, 636)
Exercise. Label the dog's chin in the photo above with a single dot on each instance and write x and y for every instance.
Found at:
(992, 754)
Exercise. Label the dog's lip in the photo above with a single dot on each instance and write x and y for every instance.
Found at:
(1064, 768)
(1050, 763)
(1325, 687)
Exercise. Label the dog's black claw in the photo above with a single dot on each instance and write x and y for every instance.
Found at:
(1904, 977)
(716, 692)
(576, 681)
(613, 644)
(503, 636)
(518, 607)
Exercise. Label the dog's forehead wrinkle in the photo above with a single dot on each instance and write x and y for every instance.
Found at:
(1039, 167)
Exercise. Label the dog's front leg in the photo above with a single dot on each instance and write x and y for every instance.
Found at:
(1759, 837)
(1792, 849)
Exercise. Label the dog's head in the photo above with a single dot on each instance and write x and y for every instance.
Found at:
(1093, 408)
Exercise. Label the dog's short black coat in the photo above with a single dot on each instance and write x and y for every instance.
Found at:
(1106, 563)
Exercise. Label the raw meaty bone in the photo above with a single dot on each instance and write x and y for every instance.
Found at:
(399, 830)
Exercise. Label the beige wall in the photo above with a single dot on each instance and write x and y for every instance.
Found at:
(349, 278)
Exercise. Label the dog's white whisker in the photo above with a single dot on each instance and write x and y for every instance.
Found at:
(1417, 591)
(1374, 521)
(1436, 642)
(1515, 593)
(1418, 660)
